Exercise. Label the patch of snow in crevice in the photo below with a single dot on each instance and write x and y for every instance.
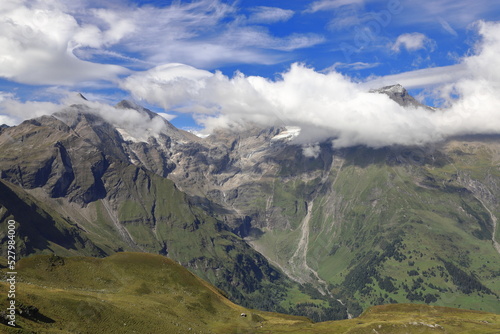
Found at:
(128, 137)
(290, 133)
(199, 134)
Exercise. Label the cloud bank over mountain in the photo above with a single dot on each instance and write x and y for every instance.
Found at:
(70, 44)
(330, 105)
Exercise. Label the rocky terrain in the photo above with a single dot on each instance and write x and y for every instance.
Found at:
(276, 225)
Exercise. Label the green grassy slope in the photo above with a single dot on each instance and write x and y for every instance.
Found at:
(145, 293)
(40, 228)
(390, 225)
(125, 293)
(161, 219)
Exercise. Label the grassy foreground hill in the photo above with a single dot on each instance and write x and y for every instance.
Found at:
(145, 293)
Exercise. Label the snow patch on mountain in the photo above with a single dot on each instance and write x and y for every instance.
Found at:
(290, 133)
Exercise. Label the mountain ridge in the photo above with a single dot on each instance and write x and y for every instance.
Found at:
(365, 226)
(83, 175)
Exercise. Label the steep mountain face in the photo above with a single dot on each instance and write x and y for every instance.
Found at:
(359, 225)
(373, 226)
(76, 186)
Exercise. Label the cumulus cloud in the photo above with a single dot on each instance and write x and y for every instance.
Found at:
(133, 124)
(323, 105)
(37, 43)
(412, 42)
(330, 105)
(311, 150)
(13, 111)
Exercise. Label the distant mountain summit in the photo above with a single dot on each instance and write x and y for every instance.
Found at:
(169, 129)
(400, 95)
(126, 104)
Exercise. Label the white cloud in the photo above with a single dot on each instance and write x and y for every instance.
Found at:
(138, 126)
(264, 14)
(446, 26)
(456, 13)
(208, 34)
(37, 43)
(311, 150)
(323, 105)
(325, 5)
(357, 66)
(167, 85)
(65, 43)
(168, 117)
(345, 20)
(8, 120)
(13, 112)
(333, 106)
(421, 78)
(40, 41)
(243, 37)
(412, 42)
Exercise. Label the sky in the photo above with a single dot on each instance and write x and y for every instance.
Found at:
(211, 63)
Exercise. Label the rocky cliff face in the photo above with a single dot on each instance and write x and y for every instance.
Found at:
(361, 225)
(78, 184)
(374, 226)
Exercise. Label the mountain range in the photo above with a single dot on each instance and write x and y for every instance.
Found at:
(302, 229)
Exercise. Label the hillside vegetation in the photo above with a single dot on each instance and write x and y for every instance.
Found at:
(145, 293)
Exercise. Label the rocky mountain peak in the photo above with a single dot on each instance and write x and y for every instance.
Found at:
(400, 95)
(394, 89)
(169, 130)
(396, 92)
(126, 104)
(82, 96)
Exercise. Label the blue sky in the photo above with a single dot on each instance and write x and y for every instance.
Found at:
(113, 50)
